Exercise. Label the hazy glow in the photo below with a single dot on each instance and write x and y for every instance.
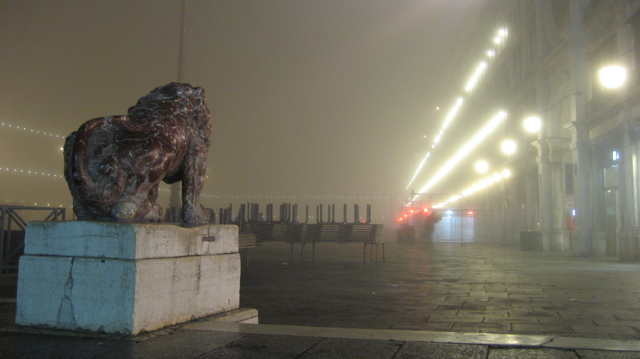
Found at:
(482, 184)
(532, 124)
(465, 150)
(471, 84)
(508, 147)
(502, 34)
(612, 77)
(477, 74)
(475, 77)
(481, 166)
(418, 170)
(452, 114)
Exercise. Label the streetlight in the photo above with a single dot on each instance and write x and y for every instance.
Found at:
(508, 147)
(481, 166)
(532, 124)
(613, 76)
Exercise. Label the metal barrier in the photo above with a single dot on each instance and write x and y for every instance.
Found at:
(12, 227)
(250, 213)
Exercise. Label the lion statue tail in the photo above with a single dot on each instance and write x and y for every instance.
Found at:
(93, 191)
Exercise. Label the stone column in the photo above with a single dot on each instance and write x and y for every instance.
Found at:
(628, 195)
(582, 156)
(578, 73)
(544, 192)
(551, 198)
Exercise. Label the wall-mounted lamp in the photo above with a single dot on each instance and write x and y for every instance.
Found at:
(508, 147)
(613, 76)
(481, 166)
(532, 124)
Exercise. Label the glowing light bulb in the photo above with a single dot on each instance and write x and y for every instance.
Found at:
(481, 166)
(508, 147)
(532, 124)
(612, 77)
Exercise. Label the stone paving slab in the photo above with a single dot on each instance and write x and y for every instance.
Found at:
(471, 288)
(202, 339)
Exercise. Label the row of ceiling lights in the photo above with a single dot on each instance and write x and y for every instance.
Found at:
(499, 41)
(611, 77)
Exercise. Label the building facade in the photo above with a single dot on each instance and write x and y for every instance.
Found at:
(575, 181)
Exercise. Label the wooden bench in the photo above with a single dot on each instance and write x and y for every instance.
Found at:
(371, 235)
(296, 233)
(368, 234)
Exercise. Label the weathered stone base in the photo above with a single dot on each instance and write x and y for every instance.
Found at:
(125, 278)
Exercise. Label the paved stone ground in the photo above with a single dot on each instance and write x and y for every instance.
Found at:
(448, 287)
(184, 344)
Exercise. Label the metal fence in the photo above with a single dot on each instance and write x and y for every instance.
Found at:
(289, 213)
(12, 228)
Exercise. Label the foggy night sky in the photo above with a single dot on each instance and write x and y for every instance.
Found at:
(308, 98)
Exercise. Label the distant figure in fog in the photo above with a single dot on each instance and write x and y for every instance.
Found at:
(430, 220)
(570, 225)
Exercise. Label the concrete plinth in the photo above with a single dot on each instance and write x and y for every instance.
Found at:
(125, 278)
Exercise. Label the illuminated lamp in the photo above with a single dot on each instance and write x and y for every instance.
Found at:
(508, 147)
(612, 77)
(481, 166)
(532, 124)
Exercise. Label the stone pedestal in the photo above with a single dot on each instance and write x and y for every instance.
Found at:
(125, 278)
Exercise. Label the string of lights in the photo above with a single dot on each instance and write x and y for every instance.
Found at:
(26, 203)
(464, 150)
(30, 130)
(450, 116)
(472, 83)
(31, 172)
(480, 185)
(211, 196)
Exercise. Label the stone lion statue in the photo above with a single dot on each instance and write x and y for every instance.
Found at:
(113, 165)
